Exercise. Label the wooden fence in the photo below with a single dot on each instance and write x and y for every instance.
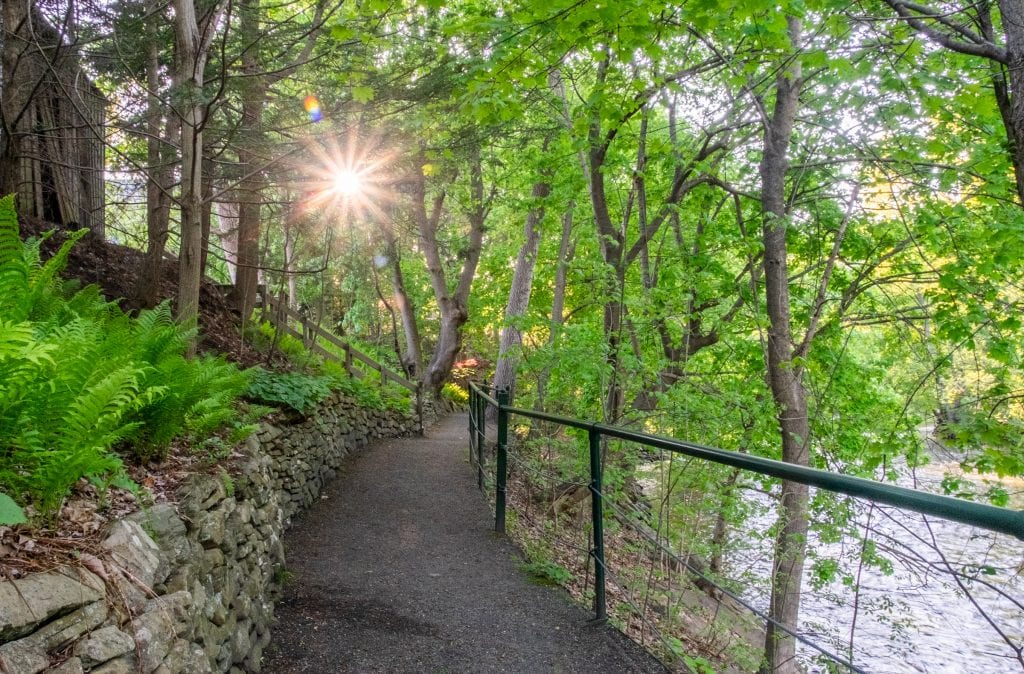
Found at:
(282, 317)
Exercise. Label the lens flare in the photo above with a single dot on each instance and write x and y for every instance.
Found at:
(348, 183)
(348, 179)
(312, 106)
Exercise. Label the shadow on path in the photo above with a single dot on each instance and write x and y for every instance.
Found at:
(397, 570)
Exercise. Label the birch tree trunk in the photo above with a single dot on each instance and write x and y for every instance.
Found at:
(566, 250)
(412, 360)
(519, 295)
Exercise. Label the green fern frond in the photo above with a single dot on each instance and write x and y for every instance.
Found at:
(43, 276)
(10, 234)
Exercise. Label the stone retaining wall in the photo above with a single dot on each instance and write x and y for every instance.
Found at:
(189, 587)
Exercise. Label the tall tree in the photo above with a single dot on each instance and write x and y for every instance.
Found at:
(453, 303)
(519, 292)
(785, 375)
(196, 27)
(976, 29)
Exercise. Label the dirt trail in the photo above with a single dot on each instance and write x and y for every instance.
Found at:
(397, 570)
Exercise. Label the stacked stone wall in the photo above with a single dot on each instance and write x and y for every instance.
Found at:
(190, 586)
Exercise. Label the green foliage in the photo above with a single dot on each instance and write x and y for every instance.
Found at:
(546, 572)
(297, 391)
(197, 395)
(455, 394)
(10, 512)
(79, 378)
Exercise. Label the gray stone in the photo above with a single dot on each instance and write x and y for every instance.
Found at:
(211, 529)
(102, 645)
(28, 602)
(176, 660)
(241, 643)
(122, 665)
(71, 666)
(168, 530)
(154, 635)
(175, 607)
(196, 661)
(63, 631)
(130, 593)
(134, 551)
(23, 657)
(215, 611)
(254, 661)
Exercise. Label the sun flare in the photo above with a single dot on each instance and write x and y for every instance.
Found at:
(348, 183)
(348, 180)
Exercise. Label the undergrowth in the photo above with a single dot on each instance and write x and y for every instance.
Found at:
(80, 379)
(301, 391)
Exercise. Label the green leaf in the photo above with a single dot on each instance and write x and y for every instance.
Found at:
(362, 94)
(10, 512)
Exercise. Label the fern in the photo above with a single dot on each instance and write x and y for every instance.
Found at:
(79, 378)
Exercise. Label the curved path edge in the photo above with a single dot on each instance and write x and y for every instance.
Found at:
(396, 570)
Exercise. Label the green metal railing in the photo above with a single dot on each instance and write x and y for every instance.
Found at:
(1001, 520)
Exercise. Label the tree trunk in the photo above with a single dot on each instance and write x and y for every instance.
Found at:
(566, 250)
(159, 147)
(785, 377)
(452, 305)
(289, 266)
(15, 93)
(206, 216)
(519, 295)
(250, 186)
(412, 360)
(192, 50)
(227, 234)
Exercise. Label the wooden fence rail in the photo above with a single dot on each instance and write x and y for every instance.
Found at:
(281, 315)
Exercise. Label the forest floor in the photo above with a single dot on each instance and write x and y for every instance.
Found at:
(115, 269)
(396, 570)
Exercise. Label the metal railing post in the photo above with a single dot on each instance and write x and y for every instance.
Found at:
(472, 424)
(597, 517)
(419, 408)
(502, 476)
(481, 440)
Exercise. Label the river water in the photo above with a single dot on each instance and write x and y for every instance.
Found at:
(916, 618)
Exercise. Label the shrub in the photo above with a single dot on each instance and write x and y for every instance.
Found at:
(456, 394)
(300, 392)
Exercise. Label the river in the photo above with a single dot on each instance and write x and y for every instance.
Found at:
(916, 618)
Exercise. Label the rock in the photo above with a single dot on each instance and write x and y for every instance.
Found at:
(122, 665)
(154, 636)
(254, 661)
(167, 529)
(134, 551)
(103, 645)
(176, 607)
(196, 661)
(215, 611)
(72, 666)
(241, 643)
(29, 602)
(211, 529)
(176, 660)
(130, 594)
(63, 631)
(19, 657)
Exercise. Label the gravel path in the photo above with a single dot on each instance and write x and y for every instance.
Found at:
(397, 570)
